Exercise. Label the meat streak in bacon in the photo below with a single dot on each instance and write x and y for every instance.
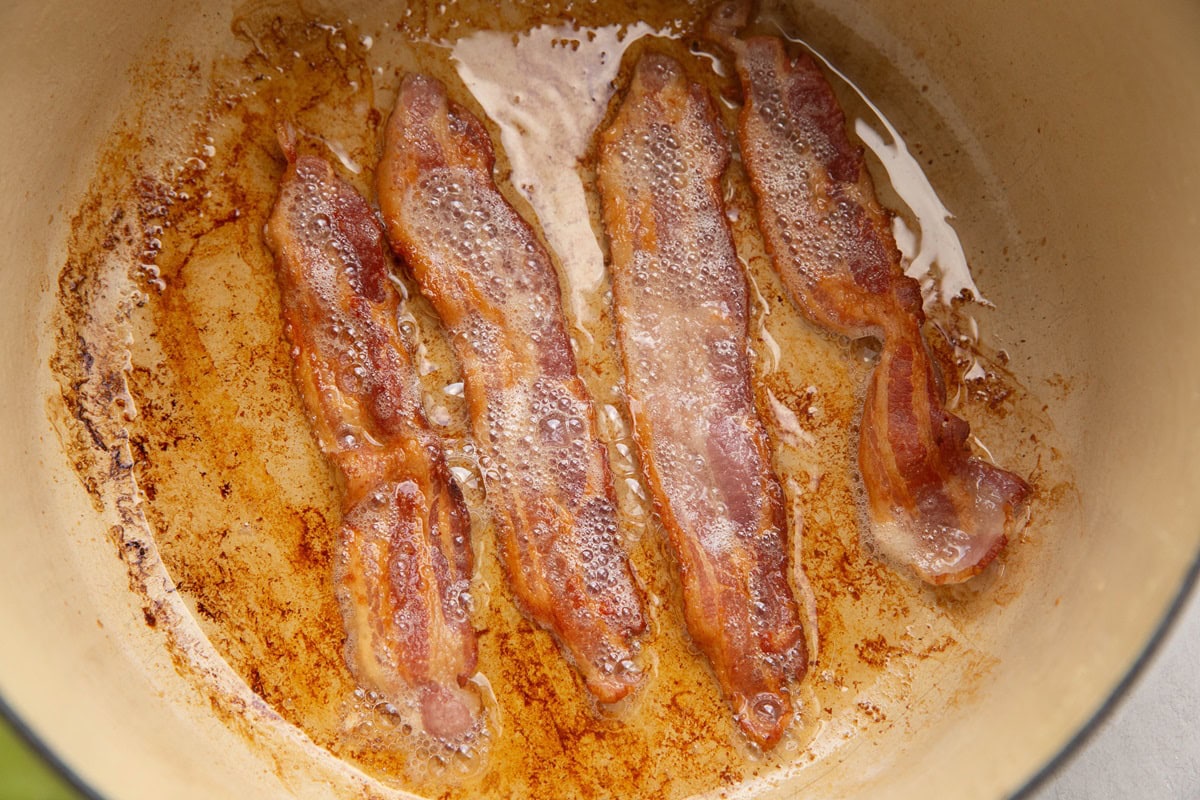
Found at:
(404, 556)
(545, 471)
(680, 303)
(933, 506)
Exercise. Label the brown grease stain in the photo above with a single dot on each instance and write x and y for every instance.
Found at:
(242, 506)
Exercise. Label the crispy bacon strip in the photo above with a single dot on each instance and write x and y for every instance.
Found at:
(404, 559)
(933, 506)
(545, 471)
(681, 311)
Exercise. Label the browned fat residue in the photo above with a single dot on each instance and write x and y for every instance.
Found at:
(174, 370)
(1062, 385)
(877, 651)
(976, 376)
(871, 711)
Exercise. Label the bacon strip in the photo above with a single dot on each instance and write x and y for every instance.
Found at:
(681, 312)
(933, 506)
(545, 471)
(404, 560)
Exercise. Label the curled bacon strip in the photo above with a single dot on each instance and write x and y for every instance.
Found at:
(681, 311)
(933, 506)
(545, 471)
(404, 560)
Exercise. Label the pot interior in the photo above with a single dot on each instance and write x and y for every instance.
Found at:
(171, 520)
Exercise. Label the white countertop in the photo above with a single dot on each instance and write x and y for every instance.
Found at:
(1149, 746)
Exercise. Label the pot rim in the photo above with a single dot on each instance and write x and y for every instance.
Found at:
(1137, 670)
(1059, 761)
(26, 734)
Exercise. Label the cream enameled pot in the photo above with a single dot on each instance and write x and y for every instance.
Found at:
(1078, 122)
